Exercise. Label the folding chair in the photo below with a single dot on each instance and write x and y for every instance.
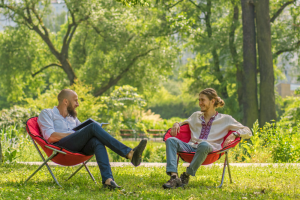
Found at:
(185, 136)
(55, 153)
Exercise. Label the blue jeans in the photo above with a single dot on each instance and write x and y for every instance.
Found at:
(174, 145)
(92, 139)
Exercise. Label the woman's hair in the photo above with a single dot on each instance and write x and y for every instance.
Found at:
(212, 94)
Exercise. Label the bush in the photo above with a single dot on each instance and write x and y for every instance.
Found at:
(16, 116)
(277, 141)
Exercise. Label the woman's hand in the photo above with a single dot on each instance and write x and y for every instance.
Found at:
(175, 129)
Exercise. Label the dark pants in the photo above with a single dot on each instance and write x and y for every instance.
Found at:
(92, 139)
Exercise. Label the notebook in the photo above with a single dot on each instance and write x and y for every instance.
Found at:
(87, 122)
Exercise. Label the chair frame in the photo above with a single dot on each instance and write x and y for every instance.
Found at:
(226, 163)
(224, 150)
(54, 153)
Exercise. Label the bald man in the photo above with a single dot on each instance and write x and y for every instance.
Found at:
(56, 126)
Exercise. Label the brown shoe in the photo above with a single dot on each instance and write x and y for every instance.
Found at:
(174, 182)
(185, 177)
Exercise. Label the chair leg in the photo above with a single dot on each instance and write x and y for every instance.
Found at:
(177, 160)
(45, 163)
(227, 157)
(83, 165)
(91, 175)
(225, 162)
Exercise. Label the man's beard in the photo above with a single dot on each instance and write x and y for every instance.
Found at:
(72, 112)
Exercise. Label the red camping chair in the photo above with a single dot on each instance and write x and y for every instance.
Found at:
(55, 153)
(185, 136)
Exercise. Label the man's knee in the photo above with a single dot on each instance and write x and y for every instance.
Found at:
(93, 127)
(94, 142)
(172, 141)
(205, 147)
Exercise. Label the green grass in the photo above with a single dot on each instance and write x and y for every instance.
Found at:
(146, 183)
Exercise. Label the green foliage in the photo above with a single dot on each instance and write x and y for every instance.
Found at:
(16, 116)
(10, 142)
(278, 141)
(291, 107)
(132, 48)
(168, 105)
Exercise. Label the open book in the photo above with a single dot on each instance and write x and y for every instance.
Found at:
(87, 122)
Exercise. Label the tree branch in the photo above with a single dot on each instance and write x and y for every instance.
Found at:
(295, 46)
(198, 6)
(51, 65)
(114, 81)
(174, 4)
(41, 23)
(279, 11)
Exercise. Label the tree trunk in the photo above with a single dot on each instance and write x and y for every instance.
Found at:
(216, 62)
(61, 56)
(233, 51)
(250, 103)
(66, 66)
(267, 94)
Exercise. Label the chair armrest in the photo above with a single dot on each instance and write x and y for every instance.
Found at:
(58, 151)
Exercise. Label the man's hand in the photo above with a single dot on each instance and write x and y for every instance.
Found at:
(229, 139)
(175, 129)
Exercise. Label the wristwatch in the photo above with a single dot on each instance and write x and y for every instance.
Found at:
(236, 134)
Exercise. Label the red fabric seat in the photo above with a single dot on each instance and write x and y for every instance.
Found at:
(185, 136)
(70, 159)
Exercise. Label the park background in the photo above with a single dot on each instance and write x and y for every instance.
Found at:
(140, 65)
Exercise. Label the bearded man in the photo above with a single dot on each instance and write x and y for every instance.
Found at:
(56, 126)
(208, 129)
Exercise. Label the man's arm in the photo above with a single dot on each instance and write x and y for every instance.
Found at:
(47, 127)
(55, 136)
(242, 131)
(176, 127)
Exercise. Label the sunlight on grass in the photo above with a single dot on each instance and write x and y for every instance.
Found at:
(146, 183)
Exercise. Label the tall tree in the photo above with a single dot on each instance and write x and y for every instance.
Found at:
(267, 93)
(234, 53)
(250, 101)
(103, 43)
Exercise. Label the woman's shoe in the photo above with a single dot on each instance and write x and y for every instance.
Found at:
(113, 185)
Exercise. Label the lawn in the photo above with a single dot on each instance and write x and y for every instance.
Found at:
(146, 183)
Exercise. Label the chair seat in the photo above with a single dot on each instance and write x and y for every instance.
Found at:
(185, 136)
(70, 159)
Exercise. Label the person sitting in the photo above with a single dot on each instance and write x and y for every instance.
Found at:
(208, 129)
(56, 126)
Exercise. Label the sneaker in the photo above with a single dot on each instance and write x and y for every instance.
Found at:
(174, 182)
(185, 177)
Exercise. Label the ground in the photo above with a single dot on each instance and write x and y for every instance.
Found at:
(252, 182)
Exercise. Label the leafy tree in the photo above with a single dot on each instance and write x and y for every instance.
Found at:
(124, 46)
(103, 43)
(217, 47)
